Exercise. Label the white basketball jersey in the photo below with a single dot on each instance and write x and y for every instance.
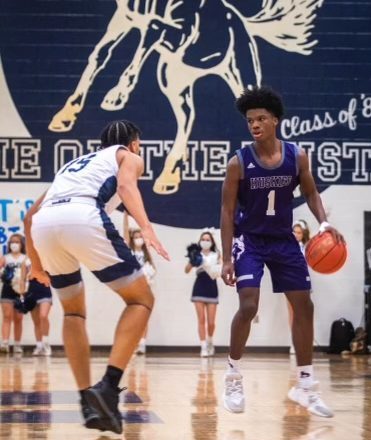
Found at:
(92, 175)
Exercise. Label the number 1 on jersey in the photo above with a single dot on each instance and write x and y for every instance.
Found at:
(271, 200)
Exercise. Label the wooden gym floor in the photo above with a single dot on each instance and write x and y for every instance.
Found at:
(178, 397)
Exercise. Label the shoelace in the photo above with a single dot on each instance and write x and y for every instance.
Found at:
(234, 387)
(314, 398)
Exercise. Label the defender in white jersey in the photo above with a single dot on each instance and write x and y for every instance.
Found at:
(68, 226)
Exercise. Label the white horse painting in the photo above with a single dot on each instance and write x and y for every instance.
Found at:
(176, 35)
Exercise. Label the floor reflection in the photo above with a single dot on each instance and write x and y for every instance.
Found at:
(204, 419)
(178, 397)
(137, 396)
(24, 414)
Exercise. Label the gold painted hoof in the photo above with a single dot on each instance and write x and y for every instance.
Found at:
(167, 183)
(62, 121)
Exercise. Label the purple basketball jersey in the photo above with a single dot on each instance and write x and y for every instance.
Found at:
(265, 194)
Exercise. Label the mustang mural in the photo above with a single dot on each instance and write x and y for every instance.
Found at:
(189, 47)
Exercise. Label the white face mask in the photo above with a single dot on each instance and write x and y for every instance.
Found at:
(205, 245)
(15, 247)
(138, 242)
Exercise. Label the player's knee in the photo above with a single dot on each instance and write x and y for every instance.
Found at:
(75, 305)
(248, 309)
(149, 299)
(138, 293)
(146, 300)
(303, 311)
(308, 308)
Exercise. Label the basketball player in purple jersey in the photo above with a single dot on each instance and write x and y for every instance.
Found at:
(256, 218)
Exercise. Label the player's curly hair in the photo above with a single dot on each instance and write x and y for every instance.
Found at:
(119, 133)
(260, 97)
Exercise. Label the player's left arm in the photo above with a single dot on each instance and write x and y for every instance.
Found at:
(309, 190)
(130, 169)
(37, 270)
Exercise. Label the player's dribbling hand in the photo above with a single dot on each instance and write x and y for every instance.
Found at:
(334, 232)
(228, 273)
(41, 276)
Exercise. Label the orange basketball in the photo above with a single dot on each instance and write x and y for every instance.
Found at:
(324, 254)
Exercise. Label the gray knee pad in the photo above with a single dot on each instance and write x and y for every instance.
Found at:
(69, 291)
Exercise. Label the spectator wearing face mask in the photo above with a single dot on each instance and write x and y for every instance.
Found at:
(205, 290)
(134, 238)
(302, 234)
(10, 267)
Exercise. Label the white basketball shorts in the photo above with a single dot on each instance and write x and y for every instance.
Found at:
(69, 233)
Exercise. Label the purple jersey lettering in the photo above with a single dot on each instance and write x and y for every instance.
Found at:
(265, 194)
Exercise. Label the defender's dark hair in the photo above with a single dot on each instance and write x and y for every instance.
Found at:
(119, 133)
(260, 97)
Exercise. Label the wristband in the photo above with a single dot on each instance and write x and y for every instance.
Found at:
(323, 226)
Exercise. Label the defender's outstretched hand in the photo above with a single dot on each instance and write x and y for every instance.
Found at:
(151, 240)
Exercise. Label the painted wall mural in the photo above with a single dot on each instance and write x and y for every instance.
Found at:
(175, 68)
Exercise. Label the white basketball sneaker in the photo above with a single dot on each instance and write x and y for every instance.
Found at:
(17, 349)
(310, 399)
(233, 396)
(210, 349)
(38, 351)
(47, 350)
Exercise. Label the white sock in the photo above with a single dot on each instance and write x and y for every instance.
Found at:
(210, 340)
(45, 340)
(305, 376)
(5, 342)
(233, 365)
(39, 344)
(17, 343)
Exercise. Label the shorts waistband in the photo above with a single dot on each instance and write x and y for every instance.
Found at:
(66, 200)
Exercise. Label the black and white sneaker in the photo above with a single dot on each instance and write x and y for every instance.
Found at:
(91, 417)
(104, 399)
